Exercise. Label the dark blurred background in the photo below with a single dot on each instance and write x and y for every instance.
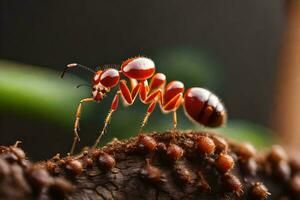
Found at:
(230, 47)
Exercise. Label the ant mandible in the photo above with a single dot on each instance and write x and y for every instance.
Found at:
(200, 105)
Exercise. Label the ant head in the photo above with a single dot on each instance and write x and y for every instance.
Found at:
(108, 78)
(103, 81)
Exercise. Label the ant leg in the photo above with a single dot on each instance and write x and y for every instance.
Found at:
(128, 96)
(174, 120)
(144, 90)
(173, 105)
(114, 106)
(178, 103)
(76, 124)
(148, 113)
(152, 99)
(152, 96)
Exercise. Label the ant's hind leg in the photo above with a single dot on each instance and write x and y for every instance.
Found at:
(114, 106)
(174, 121)
(148, 113)
(76, 137)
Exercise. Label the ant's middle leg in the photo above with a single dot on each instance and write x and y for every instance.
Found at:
(152, 99)
(151, 94)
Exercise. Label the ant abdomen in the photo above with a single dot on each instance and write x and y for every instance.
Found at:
(204, 107)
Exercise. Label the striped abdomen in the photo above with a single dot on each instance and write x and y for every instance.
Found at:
(204, 107)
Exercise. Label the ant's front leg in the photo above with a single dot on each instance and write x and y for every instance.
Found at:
(128, 97)
(113, 108)
(76, 124)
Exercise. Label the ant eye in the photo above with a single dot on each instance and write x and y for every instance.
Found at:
(109, 78)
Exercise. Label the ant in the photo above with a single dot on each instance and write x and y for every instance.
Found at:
(200, 104)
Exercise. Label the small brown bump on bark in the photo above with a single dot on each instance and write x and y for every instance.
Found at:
(89, 162)
(10, 157)
(96, 153)
(295, 165)
(25, 163)
(62, 162)
(85, 153)
(221, 143)
(56, 157)
(295, 185)
(259, 191)
(183, 174)
(151, 173)
(39, 177)
(161, 147)
(249, 166)
(224, 162)
(60, 188)
(206, 145)
(146, 144)
(202, 184)
(4, 168)
(106, 161)
(17, 174)
(245, 150)
(232, 183)
(174, 152)
(18, 152)
(52, 167)
(282, 170)
(277, 154)
(74, 166)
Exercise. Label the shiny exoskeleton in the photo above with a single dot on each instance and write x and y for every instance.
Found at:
(200, 104)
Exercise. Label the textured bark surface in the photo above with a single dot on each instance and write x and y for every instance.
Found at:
(183, 165)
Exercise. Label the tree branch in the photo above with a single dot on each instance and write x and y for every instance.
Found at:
(181, 165)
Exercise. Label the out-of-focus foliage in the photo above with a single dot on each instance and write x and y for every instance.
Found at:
(38, 92)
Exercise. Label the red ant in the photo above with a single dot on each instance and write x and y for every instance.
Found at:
(200, 105)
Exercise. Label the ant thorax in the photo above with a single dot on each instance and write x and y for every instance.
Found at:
(99, 91)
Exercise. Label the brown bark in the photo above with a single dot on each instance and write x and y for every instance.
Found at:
(182, 165)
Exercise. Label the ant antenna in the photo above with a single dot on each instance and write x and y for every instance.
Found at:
(84, 84)
(72, 65)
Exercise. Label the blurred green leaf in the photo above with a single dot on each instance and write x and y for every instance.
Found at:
(38, 92)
